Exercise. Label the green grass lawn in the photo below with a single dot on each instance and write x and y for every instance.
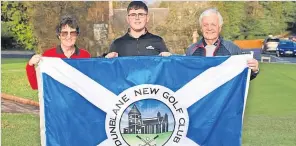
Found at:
(270, 116)
(273, 92)
(14, 79)
(20, 130)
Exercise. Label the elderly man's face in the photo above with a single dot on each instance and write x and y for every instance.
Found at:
(210, 27)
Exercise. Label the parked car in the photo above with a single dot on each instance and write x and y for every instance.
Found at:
(286, 48)
(270, 44)
(293, 38)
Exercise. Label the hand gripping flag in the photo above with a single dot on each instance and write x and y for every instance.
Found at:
(143, 101)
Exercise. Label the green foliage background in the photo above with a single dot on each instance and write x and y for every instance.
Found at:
(32, 23)
(17, 21)
(242, 20)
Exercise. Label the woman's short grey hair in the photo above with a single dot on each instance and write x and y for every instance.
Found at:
(210, 11)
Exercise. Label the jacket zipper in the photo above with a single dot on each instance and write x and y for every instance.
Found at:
(138, 46)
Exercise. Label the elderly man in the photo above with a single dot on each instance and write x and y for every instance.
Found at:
(212, 44)
(137, 41)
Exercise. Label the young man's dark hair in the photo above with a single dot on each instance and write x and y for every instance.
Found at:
(137, 5)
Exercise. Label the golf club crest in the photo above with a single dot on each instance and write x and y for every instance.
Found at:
(147, 115)
(149, 120)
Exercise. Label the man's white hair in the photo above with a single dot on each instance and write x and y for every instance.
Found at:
(210, 11)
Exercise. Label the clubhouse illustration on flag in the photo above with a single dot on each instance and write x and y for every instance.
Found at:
(143, 101)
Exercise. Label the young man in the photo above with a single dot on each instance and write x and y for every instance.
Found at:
(212, 44)
(137, 41)
(67, 31)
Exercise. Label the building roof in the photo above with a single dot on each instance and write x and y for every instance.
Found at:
(154, 120)
(134, 110)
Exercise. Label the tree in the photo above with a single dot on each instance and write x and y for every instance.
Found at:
(181, 22)
(15, 15)
(233, 16)
(274, 16)
(120, 4)
(290, 15)
(45, 15)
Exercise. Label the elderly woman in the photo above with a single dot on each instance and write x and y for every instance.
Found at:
(67, 32)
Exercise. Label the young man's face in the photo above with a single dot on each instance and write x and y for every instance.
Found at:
(210, 27)
(68, 36)
(137, 19)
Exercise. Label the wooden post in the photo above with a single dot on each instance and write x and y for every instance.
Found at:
(111, 13)
(194, 36)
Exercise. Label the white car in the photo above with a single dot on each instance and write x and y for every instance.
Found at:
(270, 44)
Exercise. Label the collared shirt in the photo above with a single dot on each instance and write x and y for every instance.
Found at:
(58, 52)
(53, 52)
(223, 48)
(215, 44)
(129, 30)
(210, 48)
(146, 45)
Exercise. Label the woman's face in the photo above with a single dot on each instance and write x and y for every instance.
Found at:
(68, 36)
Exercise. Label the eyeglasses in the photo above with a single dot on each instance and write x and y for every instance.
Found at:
(66, 33)
(140, 15)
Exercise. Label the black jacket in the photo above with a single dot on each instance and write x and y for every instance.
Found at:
(146, 45)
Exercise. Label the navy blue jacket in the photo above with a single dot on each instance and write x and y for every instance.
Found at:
(223, 48)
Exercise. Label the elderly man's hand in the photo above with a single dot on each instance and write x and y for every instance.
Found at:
(165, 54)
(111, 55)
(253, 65)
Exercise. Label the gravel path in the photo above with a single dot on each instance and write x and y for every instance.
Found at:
(8, 106)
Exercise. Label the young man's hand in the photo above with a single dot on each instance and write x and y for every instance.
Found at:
(111, 55)
(165, 54)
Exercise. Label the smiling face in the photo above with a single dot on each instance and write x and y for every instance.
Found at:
(210, 27)
(137, 19)
(68, 36)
